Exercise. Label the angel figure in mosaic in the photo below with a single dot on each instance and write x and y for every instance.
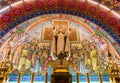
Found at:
(106, 48)
(13, 45)
(17, 54)
(23, 37)
(86, 48)
(6, 47)
(94, 56)
(83, 68)
(36, 62)
(24, 63)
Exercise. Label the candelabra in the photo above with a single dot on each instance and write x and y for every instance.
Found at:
(5, 69)
(114, 70)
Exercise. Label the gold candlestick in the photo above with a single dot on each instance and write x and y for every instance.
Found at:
(114, 81)
(19, 77)
(88, 78)
(4, 79)
(100, 77)
(33, 75)
(77, 77)
(46, 78)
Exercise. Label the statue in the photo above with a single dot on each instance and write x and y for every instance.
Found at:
(60, 40)
(54, 42)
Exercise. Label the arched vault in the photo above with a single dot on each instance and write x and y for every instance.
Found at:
(99, 14)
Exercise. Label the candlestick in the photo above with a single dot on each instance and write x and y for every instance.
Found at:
(19, 77)
(100, 77)
(77, 77)
(33, 75)
(46, 78)
(88, 78)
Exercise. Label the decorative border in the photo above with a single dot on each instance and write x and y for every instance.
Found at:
(41, 78)
(91, 10)
(63, 12)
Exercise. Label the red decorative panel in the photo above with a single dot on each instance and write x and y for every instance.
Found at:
(71, 3)
(81, 6)
(102, 15)
(28, 7)
(3, 26)
(92, 10)
(39, 4)
(112, 21)
(17, 12)
(61, 2)
(6, 17)
(51, 3)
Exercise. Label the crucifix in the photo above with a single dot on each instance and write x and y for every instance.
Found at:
(48, 32)
(61, 56)
(60, 35)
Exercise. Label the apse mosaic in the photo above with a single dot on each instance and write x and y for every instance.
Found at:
(30, 46)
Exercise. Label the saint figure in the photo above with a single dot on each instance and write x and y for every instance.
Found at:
(60, 40)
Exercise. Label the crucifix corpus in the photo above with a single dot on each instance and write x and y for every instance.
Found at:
(60, 35)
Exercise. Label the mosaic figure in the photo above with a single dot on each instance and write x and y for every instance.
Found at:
(36, 61)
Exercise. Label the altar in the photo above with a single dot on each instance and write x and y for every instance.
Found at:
(61, 76)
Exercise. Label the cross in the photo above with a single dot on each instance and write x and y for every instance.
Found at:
(48, 31)
(61, 56)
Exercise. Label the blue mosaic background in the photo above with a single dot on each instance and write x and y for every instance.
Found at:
(41, 78)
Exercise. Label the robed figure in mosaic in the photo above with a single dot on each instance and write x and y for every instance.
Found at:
(60, 40)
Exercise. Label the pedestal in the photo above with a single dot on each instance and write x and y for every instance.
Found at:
(1, 79)
(61, 77)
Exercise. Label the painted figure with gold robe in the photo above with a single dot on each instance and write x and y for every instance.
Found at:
(94, 56)
(24, 62)
(106, 48)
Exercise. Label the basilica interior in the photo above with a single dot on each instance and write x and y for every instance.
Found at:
(59, 41)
